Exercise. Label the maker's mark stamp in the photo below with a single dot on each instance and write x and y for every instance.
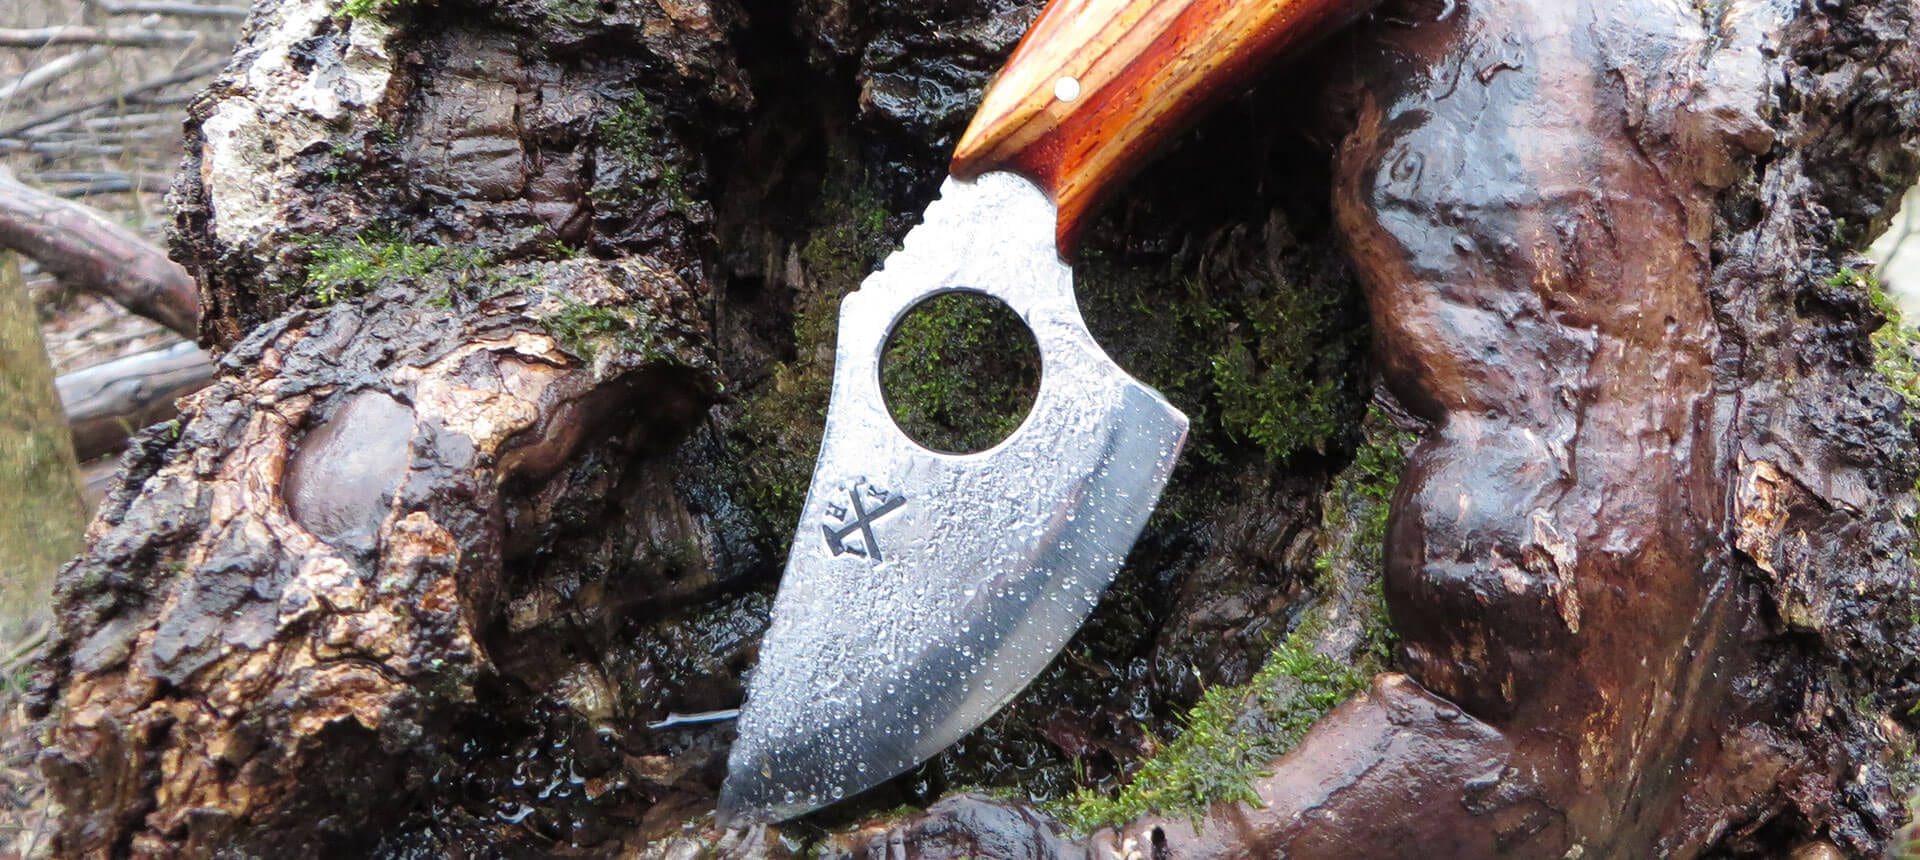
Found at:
(866, 503)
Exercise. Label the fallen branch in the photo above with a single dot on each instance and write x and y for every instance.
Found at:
(42, 37)
(132, 93)
(53, 70)
(70, 184)
(112, 184)
(66, 149)
(121, 122)
(106, 403)
(91, 253)
(177, 10)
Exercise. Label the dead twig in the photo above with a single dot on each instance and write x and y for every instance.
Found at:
(42, 37)
(131, 93)
(51, 71)
(178, 10)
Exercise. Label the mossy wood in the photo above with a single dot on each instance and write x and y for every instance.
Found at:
(1096, 85)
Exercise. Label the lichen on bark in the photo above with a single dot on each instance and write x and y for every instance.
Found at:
(42, 511)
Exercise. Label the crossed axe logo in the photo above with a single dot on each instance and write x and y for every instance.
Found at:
(860, 518)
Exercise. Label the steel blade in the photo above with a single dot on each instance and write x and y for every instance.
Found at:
(924, 590)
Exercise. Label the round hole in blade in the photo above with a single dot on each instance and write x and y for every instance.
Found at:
(960, 372)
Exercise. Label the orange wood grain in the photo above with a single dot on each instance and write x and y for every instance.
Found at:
(1143, 68)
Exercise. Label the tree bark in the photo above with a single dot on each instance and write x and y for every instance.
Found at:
(505, 446)
(42, 513)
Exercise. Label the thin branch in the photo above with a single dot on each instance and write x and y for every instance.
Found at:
(131, 93)
(51, 71)
(111, 184)
(140, 121)
(42, 37)
(68, 148)
(178, 10)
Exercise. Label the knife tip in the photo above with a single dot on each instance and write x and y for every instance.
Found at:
(743, 800)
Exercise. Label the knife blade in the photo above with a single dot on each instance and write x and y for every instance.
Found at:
(924, 590)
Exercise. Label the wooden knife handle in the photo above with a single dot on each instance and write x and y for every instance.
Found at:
(1096, 85)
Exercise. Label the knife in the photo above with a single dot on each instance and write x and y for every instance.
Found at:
(924, 590)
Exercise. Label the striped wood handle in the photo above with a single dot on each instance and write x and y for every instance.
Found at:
(1096, 85)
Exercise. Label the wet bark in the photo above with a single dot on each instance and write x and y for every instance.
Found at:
(522, 310)
(1600, 246)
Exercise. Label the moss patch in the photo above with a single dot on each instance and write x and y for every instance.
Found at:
(960, 372)
(372, 8)
(1361, 494)
(574, 11)
(632, 134)
(1280, 386)
(773, 440)
(583, 330)
(848, 242)
(1258, 360)
(348, 268)
(1895, 344)
(1231, 736)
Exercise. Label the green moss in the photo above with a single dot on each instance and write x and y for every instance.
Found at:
(575, 11)
(1895, 344)
(772, 442)
(1257, 360)
(849, 242)
(583, 330)
(632, 134)
(343, 172)
(960, 372)
(1366, 488)
(343, 269)
(1230, 737)
(372, 8)
(1272, 385)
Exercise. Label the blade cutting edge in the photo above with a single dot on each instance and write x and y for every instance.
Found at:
(924, 590)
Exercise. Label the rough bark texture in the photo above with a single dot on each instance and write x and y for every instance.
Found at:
(524, 308)
(1584, 235)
